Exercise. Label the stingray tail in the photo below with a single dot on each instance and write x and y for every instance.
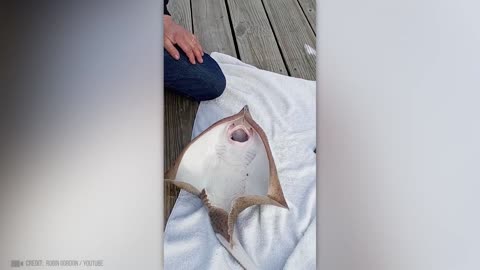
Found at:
(238, 253)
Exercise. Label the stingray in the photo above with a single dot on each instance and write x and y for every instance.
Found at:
(230, 167)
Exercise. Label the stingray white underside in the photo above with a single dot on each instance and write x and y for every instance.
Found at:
(224, 168)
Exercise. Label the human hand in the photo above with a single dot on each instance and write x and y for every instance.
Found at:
(175, 34)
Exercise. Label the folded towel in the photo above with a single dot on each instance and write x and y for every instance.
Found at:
(273, 237)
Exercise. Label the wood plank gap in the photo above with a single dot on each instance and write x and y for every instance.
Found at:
(212, 26)
(237, 51)
(306, 16)
(191, 17)
(276, 40)
(295, 37)
(254, 35)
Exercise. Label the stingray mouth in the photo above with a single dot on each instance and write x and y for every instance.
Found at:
(239, 134)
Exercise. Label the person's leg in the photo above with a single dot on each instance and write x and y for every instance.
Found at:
(200, 81)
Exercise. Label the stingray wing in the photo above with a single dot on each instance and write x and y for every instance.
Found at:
(275, 192)
(192, 154)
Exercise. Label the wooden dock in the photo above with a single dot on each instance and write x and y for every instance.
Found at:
(275, 35)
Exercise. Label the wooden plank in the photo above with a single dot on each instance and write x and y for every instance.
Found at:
(181, 13)
(179, 113)
(212, 26)
(255, 39)
(310, 9)
(294, 35)
(179, 117)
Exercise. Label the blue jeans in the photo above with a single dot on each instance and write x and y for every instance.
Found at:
(200, 81)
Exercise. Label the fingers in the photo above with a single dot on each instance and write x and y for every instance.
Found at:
(189, 45)
(199, 46)
(198, 54)
(197, 50)
(171, 49)
(187, 49)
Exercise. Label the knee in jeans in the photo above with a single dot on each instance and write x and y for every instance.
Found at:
(215, 88)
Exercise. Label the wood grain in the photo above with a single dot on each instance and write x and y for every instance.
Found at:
(255, 39)
(211, 25)
(181, 13)
(294, 35)
(310, 9)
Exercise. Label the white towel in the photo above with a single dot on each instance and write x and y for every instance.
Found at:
(285, 108)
